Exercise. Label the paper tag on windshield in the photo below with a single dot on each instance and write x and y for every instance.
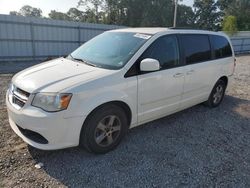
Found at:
(142, 36)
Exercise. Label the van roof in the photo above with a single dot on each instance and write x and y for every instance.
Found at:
(155, 30)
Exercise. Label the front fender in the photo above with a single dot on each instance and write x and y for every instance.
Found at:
(83, 103)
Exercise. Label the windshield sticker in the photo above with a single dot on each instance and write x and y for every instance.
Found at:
(142, 36)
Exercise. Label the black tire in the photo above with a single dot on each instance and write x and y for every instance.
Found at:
(212, 102)
(97, 125)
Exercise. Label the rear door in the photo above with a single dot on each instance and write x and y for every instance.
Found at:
(199, 70)
(159, 93)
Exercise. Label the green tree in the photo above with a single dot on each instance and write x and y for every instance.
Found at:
(207, 15)
(115, 12)
(136, 13)
(158, 13)
(238, 8)
(59, 16)
(185, 16)
(14, 13)
(91, 16)
(133, 12)
(76, 15)
(28, 11)
(225, 5)
(97, 7)
(230, 25)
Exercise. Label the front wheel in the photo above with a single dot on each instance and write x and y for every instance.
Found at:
(104, 129)
(217, 94)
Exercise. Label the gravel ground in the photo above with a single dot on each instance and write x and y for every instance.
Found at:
(198, 147)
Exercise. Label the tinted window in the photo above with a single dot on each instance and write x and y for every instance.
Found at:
(165, 50)
(196, 48)
(221, 46)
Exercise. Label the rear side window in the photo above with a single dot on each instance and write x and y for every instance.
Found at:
(165, 50)
(196, 48)
(221, 46)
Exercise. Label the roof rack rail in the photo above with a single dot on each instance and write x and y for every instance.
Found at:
(189, 28)
(183, 28)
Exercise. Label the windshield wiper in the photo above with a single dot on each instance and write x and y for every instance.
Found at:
(83, 61)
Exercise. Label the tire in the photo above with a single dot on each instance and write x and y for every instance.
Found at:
(217, 94)
(104, 129)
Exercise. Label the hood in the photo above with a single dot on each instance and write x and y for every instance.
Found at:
(56, 75)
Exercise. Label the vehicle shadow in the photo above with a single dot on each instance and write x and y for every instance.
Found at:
(196, 147)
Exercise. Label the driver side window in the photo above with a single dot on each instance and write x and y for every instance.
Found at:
(165, 50)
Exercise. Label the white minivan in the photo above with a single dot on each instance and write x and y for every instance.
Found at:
(116, 81)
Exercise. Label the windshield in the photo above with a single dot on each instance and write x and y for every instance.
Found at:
(110, 50)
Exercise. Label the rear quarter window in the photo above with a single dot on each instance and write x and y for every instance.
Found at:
(221, 46)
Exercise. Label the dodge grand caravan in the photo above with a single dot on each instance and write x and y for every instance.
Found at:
(116, 81)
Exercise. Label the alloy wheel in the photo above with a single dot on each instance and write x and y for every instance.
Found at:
(218, 94)
(107, 130)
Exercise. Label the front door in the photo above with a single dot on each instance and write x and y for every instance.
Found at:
(160, 92)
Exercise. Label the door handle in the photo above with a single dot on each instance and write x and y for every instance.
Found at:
(177, 75)
(190, 72)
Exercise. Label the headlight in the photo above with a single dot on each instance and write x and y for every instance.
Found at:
(52, 102)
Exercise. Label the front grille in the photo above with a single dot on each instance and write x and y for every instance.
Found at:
(18, 102)
(18, 97)
(22, 92)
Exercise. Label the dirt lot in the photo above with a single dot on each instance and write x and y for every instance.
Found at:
(199, 147)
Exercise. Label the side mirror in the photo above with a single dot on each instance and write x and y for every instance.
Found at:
(149, 65)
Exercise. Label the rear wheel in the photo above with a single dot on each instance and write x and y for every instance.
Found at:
(104, 129)
(217, 94)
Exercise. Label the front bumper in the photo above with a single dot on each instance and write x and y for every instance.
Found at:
(60, 132)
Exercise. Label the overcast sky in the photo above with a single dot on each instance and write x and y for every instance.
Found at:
(47, 5)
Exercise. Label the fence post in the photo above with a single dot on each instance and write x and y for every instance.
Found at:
(79, 35)
(32, 40)
(242, 44)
